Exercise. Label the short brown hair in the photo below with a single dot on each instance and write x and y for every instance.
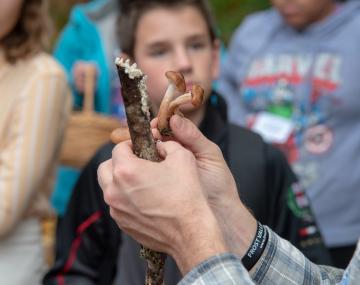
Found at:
(29, 34)
(132, 10)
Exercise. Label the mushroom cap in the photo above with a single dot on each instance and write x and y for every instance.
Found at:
(197, 95)
(177, 79)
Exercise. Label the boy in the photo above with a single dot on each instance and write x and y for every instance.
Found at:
(162, 35)
(299, 75)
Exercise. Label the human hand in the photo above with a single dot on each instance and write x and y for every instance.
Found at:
(237, 224)
(162, 204)
(79, 71)
(215, 175)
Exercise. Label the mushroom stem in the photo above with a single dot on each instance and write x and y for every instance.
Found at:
(181, 100)
(164, 106)
(195, 97)
(176, 84)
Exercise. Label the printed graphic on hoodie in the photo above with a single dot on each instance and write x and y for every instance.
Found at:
(276, 85)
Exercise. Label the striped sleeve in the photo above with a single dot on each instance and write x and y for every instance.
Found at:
(223, 269)
(32, 141)
(281, 263)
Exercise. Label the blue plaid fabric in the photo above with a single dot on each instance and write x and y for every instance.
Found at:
(225, 269)
(280, 264)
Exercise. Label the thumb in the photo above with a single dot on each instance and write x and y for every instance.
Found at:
(168, 148)
(186, 133)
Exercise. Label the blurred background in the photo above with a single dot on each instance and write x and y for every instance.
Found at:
(229, 13)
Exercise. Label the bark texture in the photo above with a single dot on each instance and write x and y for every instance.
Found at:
(136, 103)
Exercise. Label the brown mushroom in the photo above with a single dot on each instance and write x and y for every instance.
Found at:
(176, 84)
(195, 97)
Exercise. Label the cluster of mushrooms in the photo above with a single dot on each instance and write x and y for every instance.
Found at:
(169, 105)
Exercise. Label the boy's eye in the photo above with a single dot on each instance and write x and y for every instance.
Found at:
(157, 52)
(197, 45)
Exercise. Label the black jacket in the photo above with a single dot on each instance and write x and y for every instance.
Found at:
(90, 248)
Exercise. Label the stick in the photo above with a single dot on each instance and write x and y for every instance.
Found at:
(133, 90)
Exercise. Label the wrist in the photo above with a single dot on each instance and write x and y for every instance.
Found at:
(256, 248)
(200, 239)
(238, 226)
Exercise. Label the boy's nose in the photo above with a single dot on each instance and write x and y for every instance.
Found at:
(183, 61)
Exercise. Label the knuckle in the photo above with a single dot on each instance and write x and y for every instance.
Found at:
(194, 133)
(100, 171)
(124, 172)
(113, 214)
(109, 196)
(215, 148)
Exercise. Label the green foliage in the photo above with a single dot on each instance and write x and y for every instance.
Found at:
(230, 13)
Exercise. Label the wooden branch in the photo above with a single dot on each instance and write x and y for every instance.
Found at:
(133, 91)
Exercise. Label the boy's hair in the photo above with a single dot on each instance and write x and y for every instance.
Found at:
(131, 12)
(29, 33)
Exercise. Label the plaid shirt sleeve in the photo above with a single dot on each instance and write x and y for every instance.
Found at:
(224, 269)
(282, 263)
(352, 273)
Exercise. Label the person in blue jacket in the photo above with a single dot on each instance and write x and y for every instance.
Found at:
(88, 39)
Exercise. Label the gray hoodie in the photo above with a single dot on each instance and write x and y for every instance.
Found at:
(301, 90)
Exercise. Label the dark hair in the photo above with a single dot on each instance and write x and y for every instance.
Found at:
(132, 10)
(29, 33)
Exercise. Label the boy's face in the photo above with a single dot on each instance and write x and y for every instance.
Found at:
(301, 13)
(175, 39)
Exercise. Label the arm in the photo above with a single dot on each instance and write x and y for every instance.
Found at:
(236, 222)
(218, 270)
(87, 239)
(281, 263)
(170, 222)
(172, 219)
(166, 216)
(32, 143)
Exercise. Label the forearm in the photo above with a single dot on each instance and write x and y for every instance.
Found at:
(280, 262)
(237, 225)
(202, 239)
(218, 270)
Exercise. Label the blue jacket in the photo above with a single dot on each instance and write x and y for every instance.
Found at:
(83, 39)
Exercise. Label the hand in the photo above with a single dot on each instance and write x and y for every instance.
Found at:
(162, 205)
(237, 224)
(79, 72)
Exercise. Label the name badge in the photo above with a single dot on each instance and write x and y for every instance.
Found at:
(273, 128)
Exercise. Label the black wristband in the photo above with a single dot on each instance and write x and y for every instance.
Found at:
(257, 247)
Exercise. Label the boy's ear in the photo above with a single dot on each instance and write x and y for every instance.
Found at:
(216, 58)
